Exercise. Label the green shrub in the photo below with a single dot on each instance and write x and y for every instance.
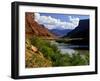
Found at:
(87, 58)
(51, 52)
(77, 59)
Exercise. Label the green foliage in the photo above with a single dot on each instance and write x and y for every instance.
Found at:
(86, 57)
(47, 51)
(51, 52)
(35, 59)
(77, 59)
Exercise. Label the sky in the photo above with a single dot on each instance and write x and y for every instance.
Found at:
(59, 21)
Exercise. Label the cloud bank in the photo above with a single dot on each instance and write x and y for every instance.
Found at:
(54, 23)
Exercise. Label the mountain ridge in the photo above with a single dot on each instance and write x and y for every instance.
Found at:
(60, 32)
(82, 31)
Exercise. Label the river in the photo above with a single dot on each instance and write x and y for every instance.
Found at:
(71, 49)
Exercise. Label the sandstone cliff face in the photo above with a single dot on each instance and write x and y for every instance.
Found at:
(34, 29)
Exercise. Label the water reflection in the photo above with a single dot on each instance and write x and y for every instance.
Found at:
(71, 49)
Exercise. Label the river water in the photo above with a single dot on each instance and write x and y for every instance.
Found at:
(71, 49)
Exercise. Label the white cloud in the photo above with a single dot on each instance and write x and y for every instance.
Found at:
(53, 23)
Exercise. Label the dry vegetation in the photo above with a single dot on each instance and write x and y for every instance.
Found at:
(35, 58)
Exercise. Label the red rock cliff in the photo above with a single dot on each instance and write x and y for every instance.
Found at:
(33, 28)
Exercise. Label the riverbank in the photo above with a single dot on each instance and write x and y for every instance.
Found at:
(53, 55)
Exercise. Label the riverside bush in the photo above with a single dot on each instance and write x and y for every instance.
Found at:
(51, 52)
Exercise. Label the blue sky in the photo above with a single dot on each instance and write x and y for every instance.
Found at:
(64, 17)
(59, 21)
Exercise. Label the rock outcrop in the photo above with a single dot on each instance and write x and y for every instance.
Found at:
(33, 28)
